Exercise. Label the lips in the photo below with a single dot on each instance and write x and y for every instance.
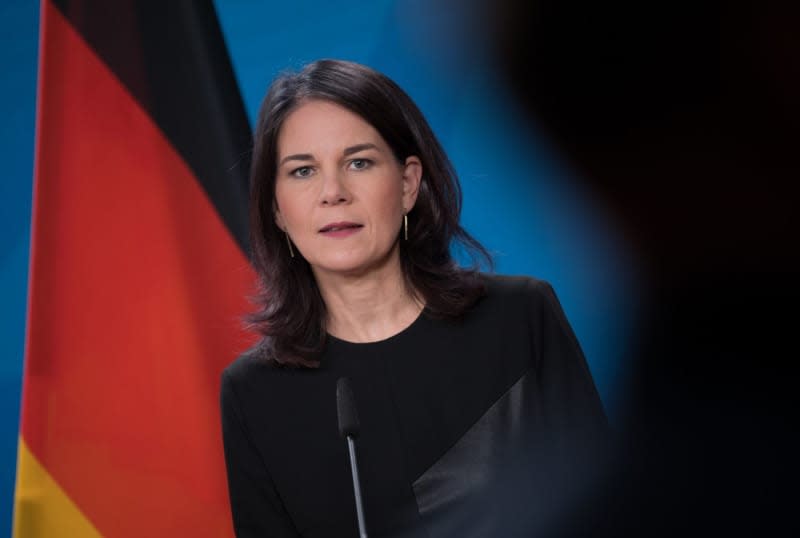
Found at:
(339, 226)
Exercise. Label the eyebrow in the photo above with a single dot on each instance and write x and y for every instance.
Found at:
(347, 151)
(357, 148)
(297, 157)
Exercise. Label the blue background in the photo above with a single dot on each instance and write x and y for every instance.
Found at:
(520, 198)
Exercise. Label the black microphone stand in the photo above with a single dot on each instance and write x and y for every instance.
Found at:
(349, 428)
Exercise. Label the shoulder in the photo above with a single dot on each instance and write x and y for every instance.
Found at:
(250, 371)
(254, 381)
(511, 285)
(250, 388)
(509, 301)
(245, 365)
(512, 297)
(516, 290)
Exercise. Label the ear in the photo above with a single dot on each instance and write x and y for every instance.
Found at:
(412, 176)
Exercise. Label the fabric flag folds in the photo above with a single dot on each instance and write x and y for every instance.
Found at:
(139, 272)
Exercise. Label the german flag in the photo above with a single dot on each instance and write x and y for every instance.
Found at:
(139, 272)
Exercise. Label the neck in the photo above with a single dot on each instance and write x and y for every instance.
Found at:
(368, 307)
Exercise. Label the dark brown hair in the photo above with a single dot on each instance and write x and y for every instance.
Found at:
(291, 315)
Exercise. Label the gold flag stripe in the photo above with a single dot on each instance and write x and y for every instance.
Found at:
(41, 508)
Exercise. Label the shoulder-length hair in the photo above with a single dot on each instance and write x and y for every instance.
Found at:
(291, 315)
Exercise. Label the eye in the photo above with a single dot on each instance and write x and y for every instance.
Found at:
(302, 172)
(360, 164)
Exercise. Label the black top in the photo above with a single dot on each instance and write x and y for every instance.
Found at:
(468, 428)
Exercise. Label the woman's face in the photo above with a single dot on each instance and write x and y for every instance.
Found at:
(340, 193)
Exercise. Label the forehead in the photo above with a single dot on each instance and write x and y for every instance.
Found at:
(319, 126)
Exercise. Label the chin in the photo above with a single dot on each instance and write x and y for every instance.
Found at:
(343, 266)
(351, 266)
(354, 262)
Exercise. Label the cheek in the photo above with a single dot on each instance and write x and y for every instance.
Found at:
(288, 208)
(390, 201)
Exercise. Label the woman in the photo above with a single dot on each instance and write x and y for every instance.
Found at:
(471, 389)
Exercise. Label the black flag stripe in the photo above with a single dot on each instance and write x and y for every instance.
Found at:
(180, 69)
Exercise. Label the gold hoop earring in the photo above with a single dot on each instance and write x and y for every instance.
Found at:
(405, 226)
(289, 242)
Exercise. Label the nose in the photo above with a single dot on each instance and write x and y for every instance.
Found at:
(333, 191)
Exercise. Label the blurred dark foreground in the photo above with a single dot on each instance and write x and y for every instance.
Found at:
(684, 119)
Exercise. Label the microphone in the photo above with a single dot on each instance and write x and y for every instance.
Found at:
(348, 429)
